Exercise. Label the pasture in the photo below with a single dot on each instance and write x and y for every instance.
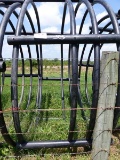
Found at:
(50, 121)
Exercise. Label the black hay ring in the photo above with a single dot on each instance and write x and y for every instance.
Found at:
(20, 36)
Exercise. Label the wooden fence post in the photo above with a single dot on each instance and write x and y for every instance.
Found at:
(105, 110)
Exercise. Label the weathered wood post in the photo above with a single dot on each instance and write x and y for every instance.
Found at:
(105, 110)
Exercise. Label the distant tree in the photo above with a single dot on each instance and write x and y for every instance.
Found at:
(56, 59)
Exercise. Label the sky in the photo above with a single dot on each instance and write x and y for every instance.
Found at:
(114, 4)
(50, 18)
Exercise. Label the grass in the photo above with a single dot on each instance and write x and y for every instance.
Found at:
(48, 124)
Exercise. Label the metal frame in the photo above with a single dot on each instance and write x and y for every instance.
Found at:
(21, 37)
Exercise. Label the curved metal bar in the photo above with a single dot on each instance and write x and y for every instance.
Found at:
(30, 55)
(14, 87)
(74, 57)
(96, 71)
(102, 30)
(69, 65)
(80, 103)
(3, 74)
(62, 88)
(96, 74)
(80, 30)
(21, 51)
(39, 94)
(117, 31)
(30, 90)
(38, 100)
(23, 72)
(32, 26)
(22, 92)
(3, 26)
(111, 15)
(80, 64)
(23, 78)
(39, 62)
(87, 66)
(22, 57)
(30, 59)
(62, 32)
(75, 95)
(29, 51)
(69, 69)
(40, 67)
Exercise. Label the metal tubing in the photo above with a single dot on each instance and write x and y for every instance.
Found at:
(14, 73)
(22, 1)
(116, 29)
(20, 36)
(96, 54)
(36, 75)
(65, 39)
(62, 32)
(39, 62)
(103, 29)
(74, 74)
(54, 144)
(80, 63)
(96, 69)
(22, 55)
(3, 26)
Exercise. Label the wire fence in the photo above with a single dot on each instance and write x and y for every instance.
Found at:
(51, 121)
(52, 79)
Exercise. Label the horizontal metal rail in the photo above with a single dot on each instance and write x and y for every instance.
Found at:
(54, 144)
(36, 75)
(21, 1)
(63, 39)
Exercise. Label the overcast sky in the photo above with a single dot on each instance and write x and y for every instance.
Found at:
(50, 18)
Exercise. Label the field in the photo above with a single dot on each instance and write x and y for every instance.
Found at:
(51, 121)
